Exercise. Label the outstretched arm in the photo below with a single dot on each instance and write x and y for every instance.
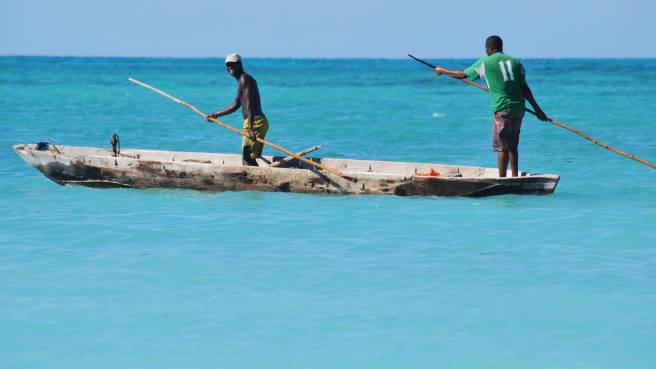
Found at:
(528, 94)
(458, 74)
(232, 107)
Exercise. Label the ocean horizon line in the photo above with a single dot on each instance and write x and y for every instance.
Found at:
(310, 57)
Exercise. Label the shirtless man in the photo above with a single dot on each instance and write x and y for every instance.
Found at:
(506, 81)
(248, 98)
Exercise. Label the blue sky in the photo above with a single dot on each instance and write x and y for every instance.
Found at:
(336, 28)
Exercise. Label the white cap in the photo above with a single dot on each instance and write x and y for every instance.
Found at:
(233, 58)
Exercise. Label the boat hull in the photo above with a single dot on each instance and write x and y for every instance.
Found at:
(95, 167)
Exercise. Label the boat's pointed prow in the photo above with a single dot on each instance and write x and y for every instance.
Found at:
(18, 147)
(22, 151)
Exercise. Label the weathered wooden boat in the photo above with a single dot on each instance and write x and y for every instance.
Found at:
(98, 167)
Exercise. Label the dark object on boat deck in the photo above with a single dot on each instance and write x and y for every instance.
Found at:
(116, 145)
(43, 146)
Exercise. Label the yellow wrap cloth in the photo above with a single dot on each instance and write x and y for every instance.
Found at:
(260, 127)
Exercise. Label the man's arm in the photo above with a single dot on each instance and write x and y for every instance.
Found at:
(232, 108)
(458, 74)
(528, 94)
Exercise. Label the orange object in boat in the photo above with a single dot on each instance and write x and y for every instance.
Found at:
(432, 173)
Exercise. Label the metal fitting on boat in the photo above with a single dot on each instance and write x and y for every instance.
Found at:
(116, 145)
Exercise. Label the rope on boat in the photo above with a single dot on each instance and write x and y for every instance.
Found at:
(49, 143)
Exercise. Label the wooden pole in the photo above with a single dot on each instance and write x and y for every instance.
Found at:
(233, 129)
(560, 124)
(300, 153)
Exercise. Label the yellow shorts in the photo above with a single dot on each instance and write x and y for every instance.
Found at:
(260, 127)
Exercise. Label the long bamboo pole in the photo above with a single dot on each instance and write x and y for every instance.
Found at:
(233, 129)
(559, 124)
(300, 153)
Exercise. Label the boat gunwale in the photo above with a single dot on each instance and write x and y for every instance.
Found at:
(369, 174)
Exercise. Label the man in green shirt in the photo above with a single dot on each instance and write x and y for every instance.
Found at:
(506, 81)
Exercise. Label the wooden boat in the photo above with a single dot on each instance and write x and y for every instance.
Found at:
(98, 167)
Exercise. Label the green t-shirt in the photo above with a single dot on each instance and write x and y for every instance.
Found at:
(504, 76)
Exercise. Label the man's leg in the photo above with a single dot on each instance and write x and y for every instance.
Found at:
(500, 141)
(253, 149)
(514, 161)
(246, 157)
(503, 163)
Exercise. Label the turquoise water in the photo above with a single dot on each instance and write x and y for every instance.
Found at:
(180, 279)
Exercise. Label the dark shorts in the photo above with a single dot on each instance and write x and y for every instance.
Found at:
(505, 131)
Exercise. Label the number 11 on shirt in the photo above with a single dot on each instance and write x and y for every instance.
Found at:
(507, 73)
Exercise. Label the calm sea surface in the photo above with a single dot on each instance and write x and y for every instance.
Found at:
(124, 278)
